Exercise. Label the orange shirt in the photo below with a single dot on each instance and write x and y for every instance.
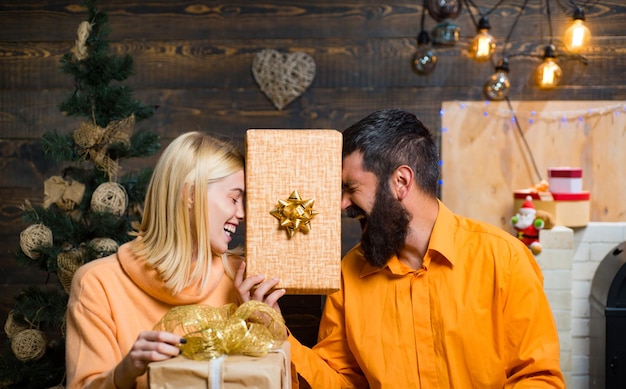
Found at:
(475, 316)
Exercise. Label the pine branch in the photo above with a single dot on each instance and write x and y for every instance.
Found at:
(144, 143)
(104, 224)
(94, 95)
(59, 147)
(41, 309)
(136, 185)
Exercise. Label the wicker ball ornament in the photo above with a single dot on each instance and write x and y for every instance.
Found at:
(69, 262)
(29, 345)
(104, 246)
(110, 197)
(11, 327)
(35, 237)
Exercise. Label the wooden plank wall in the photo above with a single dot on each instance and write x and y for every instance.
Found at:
(193, 60)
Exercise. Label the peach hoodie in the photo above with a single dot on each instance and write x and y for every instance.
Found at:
(112, 300)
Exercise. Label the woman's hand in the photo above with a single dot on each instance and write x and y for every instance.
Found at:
(150, 346)
(257, 288)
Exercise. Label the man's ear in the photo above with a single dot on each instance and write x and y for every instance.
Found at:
(402, 181)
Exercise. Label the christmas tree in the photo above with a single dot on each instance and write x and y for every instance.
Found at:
(88, 210)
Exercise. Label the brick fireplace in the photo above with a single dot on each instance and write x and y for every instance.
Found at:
(569, 260)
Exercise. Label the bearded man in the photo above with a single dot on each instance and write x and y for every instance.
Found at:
(428, 299)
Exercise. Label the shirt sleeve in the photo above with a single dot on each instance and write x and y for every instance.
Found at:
(330, 363)
(530, 328)
(89, 337)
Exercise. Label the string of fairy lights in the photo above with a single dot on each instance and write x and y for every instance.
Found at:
(487, 109)
(517, 117)
(483, 47)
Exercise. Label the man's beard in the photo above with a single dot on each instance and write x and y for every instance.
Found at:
(385, 228)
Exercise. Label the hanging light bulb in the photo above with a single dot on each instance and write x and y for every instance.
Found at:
(549, 72)
(445, 32)
(424, 60)
(444, 9)
(497, 86)
(577, 36)
(483, 45)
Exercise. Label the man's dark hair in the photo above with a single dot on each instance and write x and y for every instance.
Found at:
(390, 138)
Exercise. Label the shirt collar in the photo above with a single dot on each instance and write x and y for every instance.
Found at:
(444, 234)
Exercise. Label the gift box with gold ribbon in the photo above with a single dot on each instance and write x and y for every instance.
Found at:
(271, 371)
(293, 208)
(226, 347)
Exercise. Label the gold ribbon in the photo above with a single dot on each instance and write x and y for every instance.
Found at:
(65, 194)
(254, 328)
(94, 141)
(294, 214)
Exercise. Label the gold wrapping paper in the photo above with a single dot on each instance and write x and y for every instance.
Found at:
(279, 163)
(230, 372)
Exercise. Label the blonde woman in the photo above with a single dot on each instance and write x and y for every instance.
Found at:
(194, 203)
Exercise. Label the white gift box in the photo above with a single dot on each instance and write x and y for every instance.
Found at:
(565, 180)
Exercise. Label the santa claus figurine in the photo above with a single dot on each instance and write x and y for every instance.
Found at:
(527, 225)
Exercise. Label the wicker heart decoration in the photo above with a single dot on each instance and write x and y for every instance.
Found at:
(283, 77)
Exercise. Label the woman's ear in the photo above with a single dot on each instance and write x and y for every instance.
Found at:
(188, 194)
(402, 181)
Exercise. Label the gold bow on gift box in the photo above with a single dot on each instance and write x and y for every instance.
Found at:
(253, 328)
(294, 214)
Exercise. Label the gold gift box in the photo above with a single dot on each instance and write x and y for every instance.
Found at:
(280, 163)
(272, 371)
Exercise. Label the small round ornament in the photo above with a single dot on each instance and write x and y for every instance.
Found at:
(29, 345)
(35, 237)
(11, 327)
(110, 197)
(68, 262)
(104, 246)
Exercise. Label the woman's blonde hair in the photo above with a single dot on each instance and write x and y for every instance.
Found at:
(175, 225)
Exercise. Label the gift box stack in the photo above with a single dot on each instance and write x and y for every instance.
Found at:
(566, 200)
